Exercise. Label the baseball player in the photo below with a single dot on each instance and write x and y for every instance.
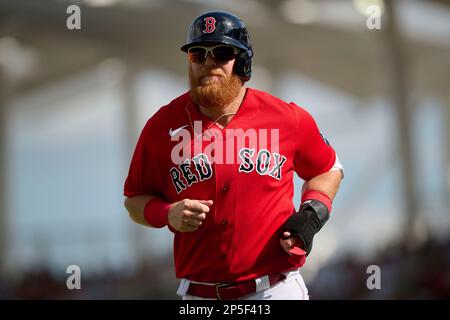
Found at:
(216, 167)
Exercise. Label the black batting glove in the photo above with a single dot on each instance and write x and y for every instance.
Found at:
(305, 223)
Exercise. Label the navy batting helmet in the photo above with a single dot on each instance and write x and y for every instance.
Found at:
(223, 27)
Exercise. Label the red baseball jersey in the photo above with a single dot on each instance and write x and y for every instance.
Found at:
(251, 183)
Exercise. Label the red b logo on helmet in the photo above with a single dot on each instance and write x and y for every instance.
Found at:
(210, 25)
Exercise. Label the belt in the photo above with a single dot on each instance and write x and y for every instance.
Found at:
(231, 290)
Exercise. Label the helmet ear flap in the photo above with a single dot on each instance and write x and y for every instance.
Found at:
(243, 66)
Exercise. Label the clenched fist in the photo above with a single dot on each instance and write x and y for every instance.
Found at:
(187, 215)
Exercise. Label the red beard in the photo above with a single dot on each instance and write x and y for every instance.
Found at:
(215, 94)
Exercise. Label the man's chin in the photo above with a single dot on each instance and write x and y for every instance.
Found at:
(210, 86)
(207, 85)
(210, 80)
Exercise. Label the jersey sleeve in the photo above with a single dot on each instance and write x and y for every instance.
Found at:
(314, 154)
(143, 174)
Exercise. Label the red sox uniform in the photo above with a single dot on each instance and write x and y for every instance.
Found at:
(252, 195)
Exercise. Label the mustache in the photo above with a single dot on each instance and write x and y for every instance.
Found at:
(211, 72)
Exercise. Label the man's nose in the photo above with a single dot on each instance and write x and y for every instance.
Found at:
(210, 61)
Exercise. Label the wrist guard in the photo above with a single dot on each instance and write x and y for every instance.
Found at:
(305, 223)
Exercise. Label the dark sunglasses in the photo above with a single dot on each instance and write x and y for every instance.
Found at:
(221, 53)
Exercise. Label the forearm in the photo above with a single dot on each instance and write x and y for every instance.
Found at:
(327, 183)
(136, 206)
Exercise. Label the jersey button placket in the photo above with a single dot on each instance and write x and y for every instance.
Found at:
(225, 187)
